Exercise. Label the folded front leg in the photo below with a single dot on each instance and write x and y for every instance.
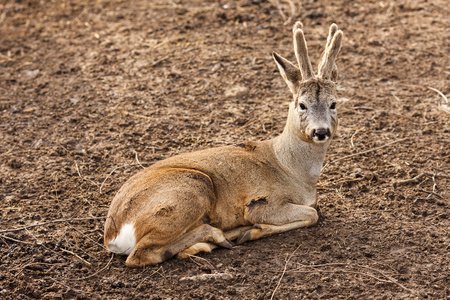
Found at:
(270, 220)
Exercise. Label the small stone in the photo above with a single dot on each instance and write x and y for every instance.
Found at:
(74, 100)
(117, 284)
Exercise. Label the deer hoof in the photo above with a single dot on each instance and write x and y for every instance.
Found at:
(226, 244)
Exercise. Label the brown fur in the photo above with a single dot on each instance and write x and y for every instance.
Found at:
(197, 201)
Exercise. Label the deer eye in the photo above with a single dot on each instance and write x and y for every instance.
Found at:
(302, 106)
(333, 105)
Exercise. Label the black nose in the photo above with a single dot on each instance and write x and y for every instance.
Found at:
(321, 133)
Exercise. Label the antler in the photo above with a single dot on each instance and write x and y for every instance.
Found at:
(301, 52)
(293, 75)
(327, 65)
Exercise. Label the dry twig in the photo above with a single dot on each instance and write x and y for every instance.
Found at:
(415, 180)
(86, 236)
(42, 245)
(389, 279)
(23, 267)
(431, 193)
(76, 255)
(445, 107)
(81, 177)
(284, 272)
(158, 61)
(440, 94)
(51, 222)
(293, 12)
(13, 240)
(137, 159)
(411, 180)
(146, 278)
(96, 273)
(280, 9)
(351, 139)
(292, 7)
(67, 287)
(191, 257)
(78, 171)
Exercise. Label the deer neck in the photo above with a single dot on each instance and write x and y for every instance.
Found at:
(300, 159)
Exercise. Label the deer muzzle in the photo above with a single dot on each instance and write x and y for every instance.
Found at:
(320, 135)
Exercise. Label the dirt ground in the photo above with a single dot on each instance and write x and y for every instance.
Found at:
(92, 91)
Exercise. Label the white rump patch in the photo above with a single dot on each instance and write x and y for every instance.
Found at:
(123, 243)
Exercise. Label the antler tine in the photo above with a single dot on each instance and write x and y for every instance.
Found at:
(301, 52)
(333, 29)
(327, 66)
(297, 25)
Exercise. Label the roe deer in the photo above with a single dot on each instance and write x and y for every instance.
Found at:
(198, 201)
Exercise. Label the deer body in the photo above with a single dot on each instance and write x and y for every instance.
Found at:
(198, 201)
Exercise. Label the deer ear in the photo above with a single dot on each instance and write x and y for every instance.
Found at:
(290, 73)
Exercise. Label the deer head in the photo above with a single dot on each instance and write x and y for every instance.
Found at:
(312, 114)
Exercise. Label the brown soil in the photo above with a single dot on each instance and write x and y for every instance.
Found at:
(92, 90)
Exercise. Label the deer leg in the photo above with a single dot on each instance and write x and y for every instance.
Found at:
(260, 230)
(202, 238)
(230, 235)
(197, 248)
(233, 234)
(207, 237)
(268, 220)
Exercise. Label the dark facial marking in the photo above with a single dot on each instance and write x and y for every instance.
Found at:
(318, 92)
